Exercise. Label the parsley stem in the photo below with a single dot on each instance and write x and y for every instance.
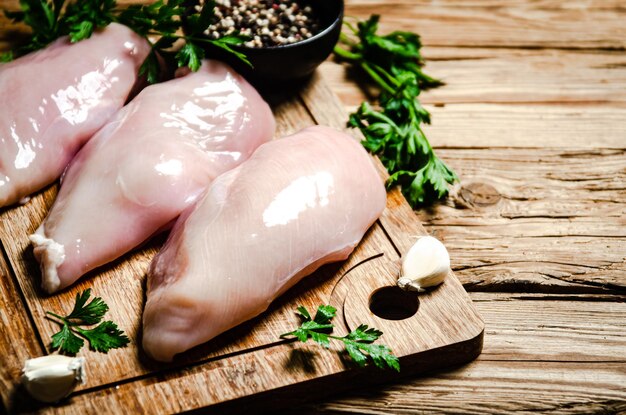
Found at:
(343, 38)
(346, 54)
(381, 70)
(57, 316)
(380, 81)
(351, 27)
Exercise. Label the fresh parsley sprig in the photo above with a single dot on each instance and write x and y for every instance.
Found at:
(51, 19)
(394, 133)
(358, 343)
(102, 338)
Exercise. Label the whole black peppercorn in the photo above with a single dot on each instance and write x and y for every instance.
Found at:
(266, 22)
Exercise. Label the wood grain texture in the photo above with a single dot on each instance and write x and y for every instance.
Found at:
(488, 125)
(522, 24)
(553, 327)
(508, 76)
(559, 225)
(496, 387)
(514, 97)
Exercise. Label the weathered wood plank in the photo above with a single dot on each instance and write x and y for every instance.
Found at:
(521, 125)
(564, 98)
(525, 76)
(474, 75)
(571, 24)
(495, 387)
(550, 328)
(542, 219)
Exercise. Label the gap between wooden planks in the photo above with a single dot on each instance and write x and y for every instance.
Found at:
(493, 387)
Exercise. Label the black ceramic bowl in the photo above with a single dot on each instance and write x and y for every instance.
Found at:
(289, 63)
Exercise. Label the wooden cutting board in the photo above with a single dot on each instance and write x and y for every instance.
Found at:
(249, 364)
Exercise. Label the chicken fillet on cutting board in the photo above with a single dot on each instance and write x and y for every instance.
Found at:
(151, 161)
(298, 203)
(55, 99)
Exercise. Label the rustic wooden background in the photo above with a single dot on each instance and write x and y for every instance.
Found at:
(533, 119)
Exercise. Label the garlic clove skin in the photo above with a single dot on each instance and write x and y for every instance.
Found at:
(426, 264)
(53, 377)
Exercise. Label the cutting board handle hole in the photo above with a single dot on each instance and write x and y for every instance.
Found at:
(392, 303)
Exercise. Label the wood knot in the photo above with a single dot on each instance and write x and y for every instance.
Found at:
(480, 194)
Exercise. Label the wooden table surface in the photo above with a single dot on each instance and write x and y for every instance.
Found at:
(533, 119)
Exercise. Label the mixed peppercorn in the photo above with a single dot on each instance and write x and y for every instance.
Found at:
(266, 22)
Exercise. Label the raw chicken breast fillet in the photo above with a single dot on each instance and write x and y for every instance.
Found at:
(150, 162)
(298, 203)
(56, 99)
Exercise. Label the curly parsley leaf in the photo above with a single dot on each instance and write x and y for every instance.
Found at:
(81, 19)
(324, 314)
(359, 346)
(226, 43)
(151, 68)
(102, 338)
(105, 336)
(42, 17)
(158, 18)
(90, 313)
(394, 132)
(6, 56)
(197, 24)
(66, 341)
(190, 55)
(358, 343)
(317, 328)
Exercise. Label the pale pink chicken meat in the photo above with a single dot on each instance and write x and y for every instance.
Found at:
(298, 203)
(151, 161)
(55, 99)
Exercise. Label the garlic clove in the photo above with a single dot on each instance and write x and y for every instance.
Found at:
(53, 377)
(426, 264)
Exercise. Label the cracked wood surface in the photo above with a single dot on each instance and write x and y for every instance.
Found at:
(546, 220)
(533, 118)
